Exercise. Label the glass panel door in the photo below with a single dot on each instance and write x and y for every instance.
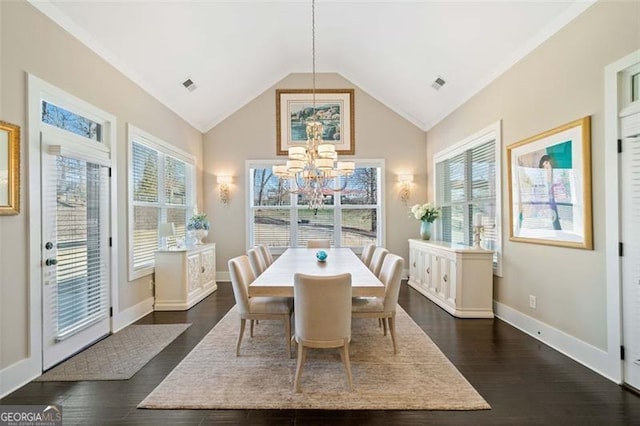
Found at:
(75, 220)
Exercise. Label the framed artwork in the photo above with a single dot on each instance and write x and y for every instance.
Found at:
(334, 108)
(9, 168)
(550, 187)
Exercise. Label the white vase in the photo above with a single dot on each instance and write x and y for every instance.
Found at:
(198, 235)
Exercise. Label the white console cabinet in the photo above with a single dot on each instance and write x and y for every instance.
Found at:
(457, 278)
(184, 277)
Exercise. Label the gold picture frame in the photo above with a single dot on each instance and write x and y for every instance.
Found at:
(9, 169)
(337, 107)
(549, 178)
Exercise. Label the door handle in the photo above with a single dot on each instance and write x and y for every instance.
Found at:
(51, 261)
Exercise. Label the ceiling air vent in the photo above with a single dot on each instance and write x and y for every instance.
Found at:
(438, 83)
(189, 84)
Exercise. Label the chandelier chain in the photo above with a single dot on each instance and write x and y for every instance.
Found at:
(314, 169)
(313, 52)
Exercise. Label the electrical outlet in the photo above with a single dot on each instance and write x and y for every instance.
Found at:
(532, 301)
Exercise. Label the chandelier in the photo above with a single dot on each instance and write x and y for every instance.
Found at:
(314, 168)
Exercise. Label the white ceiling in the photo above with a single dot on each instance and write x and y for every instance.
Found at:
(235, 50)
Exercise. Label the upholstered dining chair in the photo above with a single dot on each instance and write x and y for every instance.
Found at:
(376, 260)
(383, 307)
(256, 260)
(256, 308)
(266, 254)
(367, 252)
(322, 311)
(319, 243)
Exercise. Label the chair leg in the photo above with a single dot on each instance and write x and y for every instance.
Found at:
(302, 354)
(392, 330)
(242, 324)
(384, 326)
(344, 355)
(251, 333)
(287, 333)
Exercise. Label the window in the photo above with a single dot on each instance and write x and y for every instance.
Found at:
(70, 121)
(160, 190)
(351, 218)
(467, 182)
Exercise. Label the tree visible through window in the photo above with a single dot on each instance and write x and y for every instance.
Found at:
(70, 121)
(280, 218)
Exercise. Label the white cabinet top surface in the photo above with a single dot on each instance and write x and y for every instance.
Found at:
(445, 245)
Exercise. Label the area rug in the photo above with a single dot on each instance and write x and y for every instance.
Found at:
(418, 377)
(119, 356)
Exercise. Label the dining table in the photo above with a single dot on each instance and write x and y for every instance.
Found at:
(277, 279)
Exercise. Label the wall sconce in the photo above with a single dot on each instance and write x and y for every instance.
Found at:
(405, 187)
(224, 182)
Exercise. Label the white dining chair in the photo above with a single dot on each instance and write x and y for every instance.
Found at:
(266, 254)
(256, 308)
(256, 260)
(322, 311)
(367, 252)
(319, 243)
(383, 307)
(376, 260)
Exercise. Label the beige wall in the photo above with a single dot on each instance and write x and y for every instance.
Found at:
(31, 43)
(559, 82)
(250, 134)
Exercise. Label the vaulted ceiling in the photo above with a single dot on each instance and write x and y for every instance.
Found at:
(235, 50)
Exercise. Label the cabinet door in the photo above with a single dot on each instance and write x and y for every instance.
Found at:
(207, 259)
(193, 274)
(443, 277)
(417, 273)
(427, 270)
(447, 279)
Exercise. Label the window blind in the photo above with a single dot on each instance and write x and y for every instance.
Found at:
(82, 276)
(465, 185)
(160, 193)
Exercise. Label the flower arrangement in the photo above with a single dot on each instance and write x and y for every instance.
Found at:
(198, 221)
(425, 212)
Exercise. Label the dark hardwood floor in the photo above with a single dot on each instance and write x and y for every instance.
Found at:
(524, 381)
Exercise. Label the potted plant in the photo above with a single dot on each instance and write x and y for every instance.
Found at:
(426, 214)
(198, 227)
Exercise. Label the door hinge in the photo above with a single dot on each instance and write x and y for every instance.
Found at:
(110, 242)
(619, 146)
(110, 169)
(111, 311)
(620, 249)
(622, 353)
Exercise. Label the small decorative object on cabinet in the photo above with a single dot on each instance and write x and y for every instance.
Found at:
(198, 227)
(456, 277)
(184, 277)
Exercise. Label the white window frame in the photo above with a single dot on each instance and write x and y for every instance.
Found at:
(294, 207)
(139, 136)
(489, 133)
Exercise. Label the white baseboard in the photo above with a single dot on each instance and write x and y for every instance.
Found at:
(588, 355)
(131, 314)
(18, 375)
